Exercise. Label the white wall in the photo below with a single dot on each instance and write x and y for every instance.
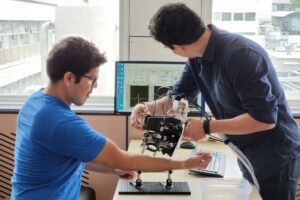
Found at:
(96, 23)
(135, 41)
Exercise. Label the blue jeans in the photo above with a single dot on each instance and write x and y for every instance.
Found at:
(281, 185)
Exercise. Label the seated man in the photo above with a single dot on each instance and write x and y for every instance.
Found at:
(53, 143)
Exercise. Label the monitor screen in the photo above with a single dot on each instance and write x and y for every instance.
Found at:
(142, 81)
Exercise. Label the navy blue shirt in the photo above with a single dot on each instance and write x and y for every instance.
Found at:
(236, 76)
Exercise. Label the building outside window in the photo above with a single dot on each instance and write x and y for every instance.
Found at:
(216, 16)
(238, 16)
(22, 67)
(249, 16)
(275, 25)
(226, 16)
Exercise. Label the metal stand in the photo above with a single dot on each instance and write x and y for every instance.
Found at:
(166, 188)
(154, 141)
(129, 187)
(169, 183)
(138, 183)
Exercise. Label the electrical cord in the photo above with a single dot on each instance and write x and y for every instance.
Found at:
(241, 156)
(211, 137)
(157, 96)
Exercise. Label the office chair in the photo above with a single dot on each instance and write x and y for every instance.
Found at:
(7, 146)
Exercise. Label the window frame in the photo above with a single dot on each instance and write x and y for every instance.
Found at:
(105, 103)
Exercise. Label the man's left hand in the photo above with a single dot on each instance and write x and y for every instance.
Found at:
(194, 129)
(126, 174)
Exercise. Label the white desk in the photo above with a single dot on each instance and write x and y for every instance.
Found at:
(232, 171)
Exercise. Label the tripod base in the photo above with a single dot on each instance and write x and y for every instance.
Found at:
(181, 188)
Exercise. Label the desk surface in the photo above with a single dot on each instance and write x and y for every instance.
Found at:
(231, 171)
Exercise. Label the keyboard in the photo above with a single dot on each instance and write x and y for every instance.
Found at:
(215, 168)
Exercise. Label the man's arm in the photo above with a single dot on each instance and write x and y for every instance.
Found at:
(113, 157)
(239, 125)
(105, 169)
(158, 107)
(98, 168)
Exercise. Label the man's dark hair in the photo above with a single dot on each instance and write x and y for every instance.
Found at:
(73, 54)
(175, 23)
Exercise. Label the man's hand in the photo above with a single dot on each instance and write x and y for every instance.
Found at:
(138, 114)
(126, 174)
(194, 129)
(200, 161)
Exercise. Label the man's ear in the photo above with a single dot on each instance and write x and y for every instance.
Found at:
(179, 48)
(69, 78)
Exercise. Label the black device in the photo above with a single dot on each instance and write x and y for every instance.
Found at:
(162, 134)
(153, 188)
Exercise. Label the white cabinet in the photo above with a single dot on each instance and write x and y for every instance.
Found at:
(141, 11)
(135, 34)
(147, 49)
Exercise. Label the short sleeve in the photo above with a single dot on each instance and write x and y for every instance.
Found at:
(250, 75)
(186, 83)
(77, 139)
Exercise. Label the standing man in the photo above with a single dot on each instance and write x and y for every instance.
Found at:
(238, 81)
(53, 143)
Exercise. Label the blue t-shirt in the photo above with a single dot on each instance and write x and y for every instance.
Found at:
(236, 76)
(52, 146)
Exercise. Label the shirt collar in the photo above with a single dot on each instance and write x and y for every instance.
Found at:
(209, 52)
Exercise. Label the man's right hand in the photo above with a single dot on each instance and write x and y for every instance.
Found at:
(200, 161)
(138, 114)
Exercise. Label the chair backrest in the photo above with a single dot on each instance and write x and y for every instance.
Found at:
(7, 146)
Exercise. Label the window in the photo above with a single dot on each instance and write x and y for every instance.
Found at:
(226, 16)
(21, 71)
(249, 16)
(238, 16)
(216, 16)
(2, 28)
(276, 28)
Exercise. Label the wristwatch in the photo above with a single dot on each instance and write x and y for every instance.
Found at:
(206, 125)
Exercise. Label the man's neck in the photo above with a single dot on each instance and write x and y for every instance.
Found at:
(57, 90)
(201, 43)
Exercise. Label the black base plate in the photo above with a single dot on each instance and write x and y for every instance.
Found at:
(182, 188)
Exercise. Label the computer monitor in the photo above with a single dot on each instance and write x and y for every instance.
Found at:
(142, 81)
